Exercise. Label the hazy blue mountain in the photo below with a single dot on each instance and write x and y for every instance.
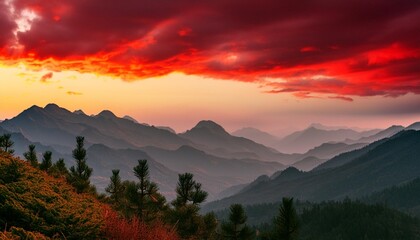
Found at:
(347, 157)
(213, 139)
(230, 191)
(21, 144)
(322, 153)
(257, 136)
(57, 127)
(302, 141)
(378, 136)
(103, 159)
(329, 150)
(227, 172)
(308, 163)
(392, 162)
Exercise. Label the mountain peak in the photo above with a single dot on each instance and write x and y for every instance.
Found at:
(208, 124)
(79, 112)
(106, 114)
(130, 118)
(51, 106)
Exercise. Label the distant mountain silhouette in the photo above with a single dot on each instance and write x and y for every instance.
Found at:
(391, 162)
(378, 136)
(257, 136)
(166, 128)
(213, 138)
(103, 159)
(308, 163)
(130, 118)
(302, 141)
(347, 157)
(414, 126)
(57, 127)
(226, 172)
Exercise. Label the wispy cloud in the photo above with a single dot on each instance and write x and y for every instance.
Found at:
(46, 77)
(74, 93)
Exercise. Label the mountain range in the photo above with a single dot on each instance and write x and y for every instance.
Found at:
(380, 165)
(218, 159)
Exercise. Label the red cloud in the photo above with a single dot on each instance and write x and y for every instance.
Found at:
(46, 77)
(326, 47)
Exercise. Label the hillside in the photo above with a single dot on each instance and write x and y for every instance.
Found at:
(405, 197)
(392, 162)
(42, 205)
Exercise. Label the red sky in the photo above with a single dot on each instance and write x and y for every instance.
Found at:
(329, 49)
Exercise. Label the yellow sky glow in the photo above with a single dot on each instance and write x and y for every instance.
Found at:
(177, 100)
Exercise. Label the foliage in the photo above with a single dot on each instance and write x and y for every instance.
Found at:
(30, 155)
(6, 143)
(10, 171)
(15, 233)
(286, 223)
(144, 194)
(36, 202)
(119, 228)
(46, 163)
(355, 220)
(236, 227)
(405, 197)
(115, 188)
(59, 169)
(188, 191)
(79, 175)
(185, 214)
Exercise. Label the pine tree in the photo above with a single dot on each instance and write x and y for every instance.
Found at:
(30, 156)
(59, 169)
(188, 191)
(6, 143)
(79, 175)
(144, 196)
(115, 187)
(46, 163)
(186, 215)
(287, 224)
(236, 228)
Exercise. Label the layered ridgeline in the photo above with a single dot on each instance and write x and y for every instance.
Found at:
(219, 159)
(311, 137)
(115, 142)
(385, 164)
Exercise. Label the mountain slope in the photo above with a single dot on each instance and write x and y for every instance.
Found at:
(213, 139)
(35, 202)
(386, 133)
(392, 162)
(225, 172)
(405, 197)
(103, 159)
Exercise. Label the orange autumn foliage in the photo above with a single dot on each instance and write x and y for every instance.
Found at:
(118, 228)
